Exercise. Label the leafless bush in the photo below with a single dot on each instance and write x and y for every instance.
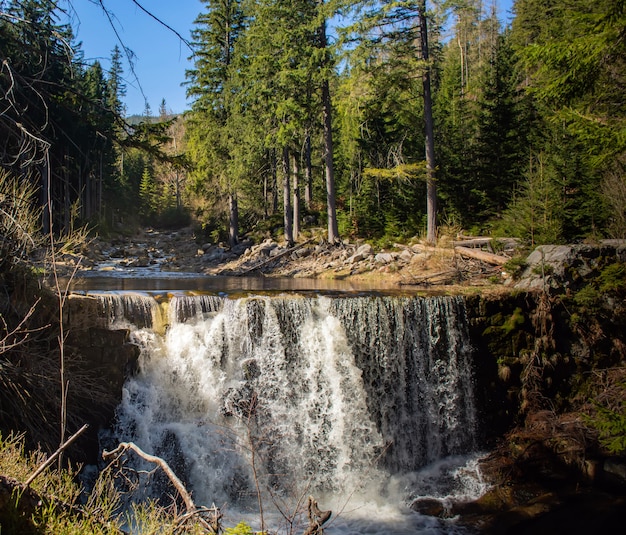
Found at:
(19, 219)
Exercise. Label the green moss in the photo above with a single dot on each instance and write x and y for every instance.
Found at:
(613, 278)
(515, 266)
(611, 426)
(240, 529)
(588, 298)
(514, 321)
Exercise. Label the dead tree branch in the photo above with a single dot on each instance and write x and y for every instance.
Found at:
(210, 518)
(55, 455)
(317, 518)
(178, 484)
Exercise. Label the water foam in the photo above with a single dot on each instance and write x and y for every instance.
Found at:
(346, 399)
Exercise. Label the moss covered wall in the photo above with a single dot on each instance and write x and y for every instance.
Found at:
(559, 349)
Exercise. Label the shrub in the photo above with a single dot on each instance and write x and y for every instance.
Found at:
(240, 529)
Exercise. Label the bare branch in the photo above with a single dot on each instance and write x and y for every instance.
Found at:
(162, 23)
(56, 454)
(123, 447)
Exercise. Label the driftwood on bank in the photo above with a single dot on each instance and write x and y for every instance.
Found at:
(483, 256)
(272, 258)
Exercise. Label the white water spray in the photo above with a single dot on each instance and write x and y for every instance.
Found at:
(343, 398)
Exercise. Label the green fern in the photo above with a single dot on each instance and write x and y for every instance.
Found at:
(611, 424)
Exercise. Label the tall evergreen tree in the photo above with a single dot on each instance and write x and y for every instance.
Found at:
(389, 28)
(326, 66)
(574, 56)
(211, 84)
(116, 88)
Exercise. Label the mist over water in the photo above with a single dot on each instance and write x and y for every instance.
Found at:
(366, 403)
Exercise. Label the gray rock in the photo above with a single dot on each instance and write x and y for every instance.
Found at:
(275, 251)
(303, 252)
(405, 256)
(615, 469)
(384, 258)
(363, 252)
(561, 266)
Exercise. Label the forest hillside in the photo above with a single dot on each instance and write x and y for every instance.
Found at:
(405, 121)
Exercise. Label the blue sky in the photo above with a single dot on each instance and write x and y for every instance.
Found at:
(160, 57)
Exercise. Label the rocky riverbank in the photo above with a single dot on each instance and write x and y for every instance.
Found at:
(409, 264)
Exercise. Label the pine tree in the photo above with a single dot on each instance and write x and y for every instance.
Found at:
(147, 194)
(115, 83)
(574, 55)
(211, 83)
(400, 30)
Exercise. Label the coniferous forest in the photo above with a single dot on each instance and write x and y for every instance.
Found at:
(369, 119)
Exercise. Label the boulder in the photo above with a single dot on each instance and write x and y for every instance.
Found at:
(363, 252)
(405, 256)
(428, 507)
(384, 258)
(562, 266)
(275, 251)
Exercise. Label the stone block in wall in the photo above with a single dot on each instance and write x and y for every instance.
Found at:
(82, 312)
(100, 337)
(77, 337)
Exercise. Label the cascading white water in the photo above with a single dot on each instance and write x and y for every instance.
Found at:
(337, 397)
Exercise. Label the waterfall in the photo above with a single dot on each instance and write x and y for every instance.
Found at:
(331, 396)
(130, 308)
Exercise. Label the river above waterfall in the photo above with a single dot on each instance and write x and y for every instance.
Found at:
(192, 282)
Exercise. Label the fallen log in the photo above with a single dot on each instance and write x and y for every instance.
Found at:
(276, 257)
(483, 256)
(473, 242)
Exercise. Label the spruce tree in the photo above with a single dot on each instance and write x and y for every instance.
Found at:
(211, 83)
(400, 29)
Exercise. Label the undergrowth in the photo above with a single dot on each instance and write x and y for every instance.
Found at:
(55, 503)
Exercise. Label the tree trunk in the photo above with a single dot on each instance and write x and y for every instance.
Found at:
(266, 194)
(274, 182)
(67, 204)
(296, 197)
(308, 172)
(333, 229)
(287, 199)
(431, 184)
(233, 220)
(45, 198)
